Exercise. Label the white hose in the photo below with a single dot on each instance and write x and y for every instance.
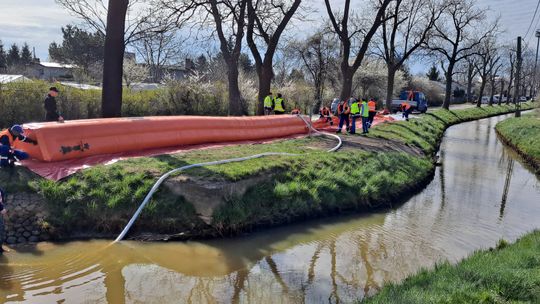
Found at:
(213, 163)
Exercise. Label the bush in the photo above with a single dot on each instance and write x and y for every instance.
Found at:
(23, 102)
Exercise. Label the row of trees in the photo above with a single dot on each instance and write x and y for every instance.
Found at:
(15, 57)
(455, 33)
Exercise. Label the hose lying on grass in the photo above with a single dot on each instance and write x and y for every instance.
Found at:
(213, 163)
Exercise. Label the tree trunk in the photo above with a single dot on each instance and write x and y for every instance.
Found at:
(480, 93)
(470, 78)
(235, 103)
(265, 84)
(502, 92)
(492, 92)
(509, 91)
(448, 91)
(318, 97)
(111, 100)
(390, 87)
(346, 85)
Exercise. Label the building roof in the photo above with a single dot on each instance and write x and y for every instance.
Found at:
(57, 65)
(6, 78)
(81, 86)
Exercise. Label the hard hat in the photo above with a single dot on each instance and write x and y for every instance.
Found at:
(17, 129)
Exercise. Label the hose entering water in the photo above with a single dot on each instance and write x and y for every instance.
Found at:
(213, 163)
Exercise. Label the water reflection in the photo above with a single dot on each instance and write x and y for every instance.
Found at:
(478, 196)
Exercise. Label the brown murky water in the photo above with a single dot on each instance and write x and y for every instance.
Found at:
(480, 195)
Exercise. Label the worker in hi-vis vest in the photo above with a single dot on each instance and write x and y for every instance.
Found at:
(364, 112)
(343, 111)
(268, 104)
(372, 111)
(406, 109)
(279, 105)
(8, 155)
(355, 113)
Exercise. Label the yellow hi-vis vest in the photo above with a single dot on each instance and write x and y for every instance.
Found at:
(268, 101)
(279, 105)
(354, 108)
(365, 109)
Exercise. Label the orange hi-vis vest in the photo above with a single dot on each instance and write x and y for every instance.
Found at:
(372, 106)
(343, 108)
(405, 105)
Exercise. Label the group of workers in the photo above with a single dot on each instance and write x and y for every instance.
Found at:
(274, 105)
(9, 155)
(348, 111)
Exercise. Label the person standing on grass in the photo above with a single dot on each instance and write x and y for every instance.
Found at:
(355, 113)
(279, 105)
(364, 112)
(3, 212)
(343, 111)
(50, 106)
(268, 104)
(372, 111)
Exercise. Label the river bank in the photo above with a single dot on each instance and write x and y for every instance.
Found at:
(99, 201)
(481, 193)
(506, 273)
(523, 135)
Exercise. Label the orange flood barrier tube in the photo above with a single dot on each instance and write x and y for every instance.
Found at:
(82, 138)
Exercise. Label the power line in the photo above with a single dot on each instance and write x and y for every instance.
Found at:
(533, 18)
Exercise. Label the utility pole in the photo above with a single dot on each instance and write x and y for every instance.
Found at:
(517, 94)
(535, 82)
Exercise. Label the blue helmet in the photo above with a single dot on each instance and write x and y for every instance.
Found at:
(17, 129)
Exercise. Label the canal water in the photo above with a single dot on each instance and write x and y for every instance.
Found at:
(480, 195)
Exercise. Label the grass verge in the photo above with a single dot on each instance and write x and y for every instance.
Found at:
(505, 274)
(523, 135)
(103, 198)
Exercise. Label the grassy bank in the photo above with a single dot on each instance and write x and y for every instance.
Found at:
(101, 199)
(523, 134)
(505, 274)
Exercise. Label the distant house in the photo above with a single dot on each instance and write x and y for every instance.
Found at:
(5, 78)
(50, 71)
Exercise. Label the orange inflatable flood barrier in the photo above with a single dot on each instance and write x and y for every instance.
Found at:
(82, 138)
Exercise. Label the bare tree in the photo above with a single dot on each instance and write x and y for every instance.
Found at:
(142, 16)
(472, 72)
(407, 26)
(317, 55)
(511, 57)
(228, 21)
(456, 34)
(267, 20)
(495, 66)
(134, 72)
(488, 58)
(347, 33)
(158, 50)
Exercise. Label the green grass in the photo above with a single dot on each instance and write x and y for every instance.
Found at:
(505, 274)
(523, 134)
(103, 198)
(427, 131)
(322, 183)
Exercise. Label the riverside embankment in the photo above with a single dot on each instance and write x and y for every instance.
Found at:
(382, 170)
(480, 194)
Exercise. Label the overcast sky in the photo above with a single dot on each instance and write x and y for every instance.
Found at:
(38, 22)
